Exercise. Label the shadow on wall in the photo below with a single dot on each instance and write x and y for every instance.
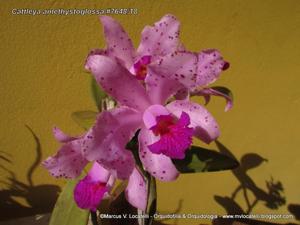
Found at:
(295, 210)
(271, 195)
(41, 198)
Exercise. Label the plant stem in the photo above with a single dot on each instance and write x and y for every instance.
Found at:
(94, 218)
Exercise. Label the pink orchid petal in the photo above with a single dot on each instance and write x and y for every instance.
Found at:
(89, 191)
(177, 140)
(105, 142)
(88, 195)
(160, 88)
(145, 60)
(206, 128)
(149, 116)
(182, 94)
(210, 65)
(118, 82)
(190, 69)
(159, 166)
(111, 181)
(207, 92)
(160, 39)
(179, 67)
(61, 136)
(100, 52)
(99, 174)
(137, 191)
(68, 162)
(94, 52)
(119, 44)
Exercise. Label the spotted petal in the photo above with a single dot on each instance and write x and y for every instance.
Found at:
(160, 88)
(191, 69)
(118, 82)
(61, 136)
(136, 191)
(178, 68)
(160, 39)
(68, 162)
(171, 74)
(205, 126)
(105, 142)
(118, 43)
(159, 166)
(210, 65)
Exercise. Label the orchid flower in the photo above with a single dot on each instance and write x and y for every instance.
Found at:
(69, 162)
(142, 82)
(97, 184)
(157, 42)
(162, 55)
(166, 130)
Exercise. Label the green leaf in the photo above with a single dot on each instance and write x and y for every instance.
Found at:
(84, 119)
(66, 211)
(223, 90)
(97, 93)
(152, 199)
(199, 159)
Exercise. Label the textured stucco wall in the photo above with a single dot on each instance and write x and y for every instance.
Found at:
(43, 81)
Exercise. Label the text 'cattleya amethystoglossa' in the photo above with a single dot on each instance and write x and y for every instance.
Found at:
(152, 87)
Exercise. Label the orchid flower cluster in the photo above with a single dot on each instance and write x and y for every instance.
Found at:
(152, 86)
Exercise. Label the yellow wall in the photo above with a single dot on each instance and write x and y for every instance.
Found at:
(43, 81)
